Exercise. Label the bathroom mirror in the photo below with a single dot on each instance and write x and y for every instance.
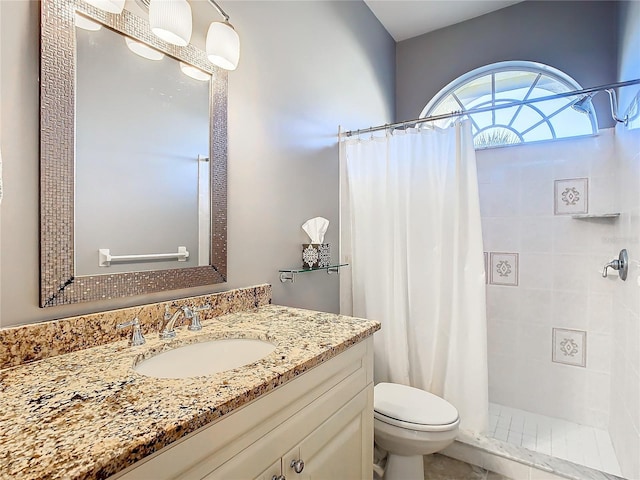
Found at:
(153, 159)
(134, 163)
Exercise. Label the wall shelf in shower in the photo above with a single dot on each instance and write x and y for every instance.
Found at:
(289, 274)
(585, 216)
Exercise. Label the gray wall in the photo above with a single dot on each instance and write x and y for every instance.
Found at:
(628, 51)
(578, 38)
(305, 68)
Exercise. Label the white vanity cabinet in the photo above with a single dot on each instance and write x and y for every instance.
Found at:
(323, 418)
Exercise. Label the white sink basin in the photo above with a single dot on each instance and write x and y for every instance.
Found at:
(205, 358)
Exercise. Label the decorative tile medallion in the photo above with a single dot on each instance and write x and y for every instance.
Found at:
(569, 347)
(503, 269)
(571, 196)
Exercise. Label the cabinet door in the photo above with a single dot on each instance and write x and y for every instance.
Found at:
(274, 470)
(255, 462)
(335, 450)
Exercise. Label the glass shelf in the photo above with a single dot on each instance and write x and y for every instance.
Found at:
(289, 274)
(595, 215)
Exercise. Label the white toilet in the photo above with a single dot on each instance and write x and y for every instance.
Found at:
(409, 423)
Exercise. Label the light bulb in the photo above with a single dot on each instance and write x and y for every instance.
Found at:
(171, 21)
(223, 45)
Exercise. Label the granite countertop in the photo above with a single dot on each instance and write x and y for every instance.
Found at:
(87, 414)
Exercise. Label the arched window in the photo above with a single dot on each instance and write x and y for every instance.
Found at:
(506, 82)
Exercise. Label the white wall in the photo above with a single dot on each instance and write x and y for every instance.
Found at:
(559, 278)
(305, 68)
(625, 348)
(625, 372)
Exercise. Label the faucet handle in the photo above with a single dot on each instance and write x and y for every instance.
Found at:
(167, 313)
(621, 264)
(137, 338)
(194, 324)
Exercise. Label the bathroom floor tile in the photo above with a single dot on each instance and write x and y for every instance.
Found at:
(581, 444)
(440, 467)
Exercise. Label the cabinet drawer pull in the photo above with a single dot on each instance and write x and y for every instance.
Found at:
(278, 477)
(297, 465)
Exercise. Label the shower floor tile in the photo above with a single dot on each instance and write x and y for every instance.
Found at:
(587, 446)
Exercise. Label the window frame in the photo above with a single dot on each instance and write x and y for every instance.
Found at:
(511, 66)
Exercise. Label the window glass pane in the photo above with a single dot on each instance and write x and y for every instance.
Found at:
(526, 119)
(548, 86)
(483, 120)
(495, 136)
(504, 115)
(541, 132)
(550, 106)
(448, 105)
(483, 101)
(570, 123)
(514, 85)
(474, 89)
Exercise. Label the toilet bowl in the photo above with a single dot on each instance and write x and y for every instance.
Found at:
(409, 423)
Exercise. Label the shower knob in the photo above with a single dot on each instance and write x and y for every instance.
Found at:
(621, 264)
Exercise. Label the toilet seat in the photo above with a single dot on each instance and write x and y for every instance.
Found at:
(412, 408)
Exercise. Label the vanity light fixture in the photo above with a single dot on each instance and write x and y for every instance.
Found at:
(223, 42)
(83, 22)
(171, 21)
(194, 72)
(111, 6)
(143, 50)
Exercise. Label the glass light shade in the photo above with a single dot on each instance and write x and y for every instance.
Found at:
(223, 45)
(143, 50)
(194, 72)
(86, 24)
(111, 6)
(171, 21)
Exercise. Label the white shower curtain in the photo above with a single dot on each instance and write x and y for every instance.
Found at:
(417, 261)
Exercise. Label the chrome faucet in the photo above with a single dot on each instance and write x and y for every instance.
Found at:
(168, 330)
(137, 338)
(621, 264)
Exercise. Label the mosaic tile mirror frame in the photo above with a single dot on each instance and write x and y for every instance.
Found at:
(58, 284)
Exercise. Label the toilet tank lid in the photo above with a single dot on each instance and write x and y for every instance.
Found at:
(412, 405)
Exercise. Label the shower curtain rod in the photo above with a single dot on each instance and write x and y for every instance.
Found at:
(459, 113)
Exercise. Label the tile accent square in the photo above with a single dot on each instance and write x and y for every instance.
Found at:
(569, 347)
(503, 269)
(571, 196)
